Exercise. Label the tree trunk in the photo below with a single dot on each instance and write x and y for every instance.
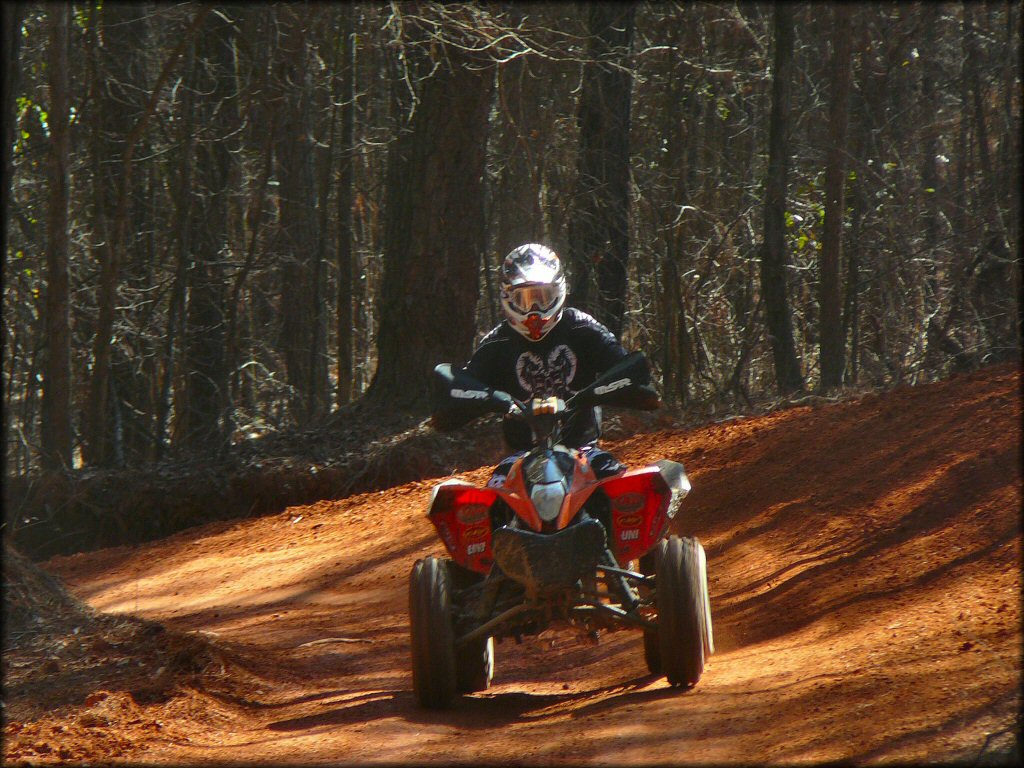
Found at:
(56, 405)
(298, 227)
(113, 106)
(773, 255)
(323, 102)
(346, 182)
(851, 311)
(182, 197)
(13, 13)
(434, 233)
(1015, 173)
(830, 297)
(931, 63)
(519, 147)
(254, 216)
(680, 128)
(599, 231)
(995, 290)
(200, 415)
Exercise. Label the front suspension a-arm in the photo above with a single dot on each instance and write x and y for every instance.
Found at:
(614, 575)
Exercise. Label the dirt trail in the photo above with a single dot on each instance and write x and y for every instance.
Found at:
(864, 563)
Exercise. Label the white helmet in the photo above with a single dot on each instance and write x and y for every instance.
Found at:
(532, 290)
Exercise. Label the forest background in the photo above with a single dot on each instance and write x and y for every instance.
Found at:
(228, 220)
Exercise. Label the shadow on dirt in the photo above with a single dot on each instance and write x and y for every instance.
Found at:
(869, 557)
(482, 711)
(997, 748)
(830, 507)
(362, 708)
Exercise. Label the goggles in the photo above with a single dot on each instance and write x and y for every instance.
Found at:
(533, 298)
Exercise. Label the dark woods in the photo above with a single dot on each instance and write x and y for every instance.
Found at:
(224, 220)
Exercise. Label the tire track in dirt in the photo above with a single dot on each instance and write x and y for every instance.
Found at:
(864, 563)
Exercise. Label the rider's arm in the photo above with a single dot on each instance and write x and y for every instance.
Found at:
(607, 351)
(455, 405)
(487, 362)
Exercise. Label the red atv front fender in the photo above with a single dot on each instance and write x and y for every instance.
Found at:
(461, 514)
(642, 502)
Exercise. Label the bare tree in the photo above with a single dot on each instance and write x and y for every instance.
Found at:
(345, 184)
(599, 231)
(773, 254)
(302, 338)
(56, 405)
(200, 411)
(99, 445)
(995, 289)
(517, 214)
(13, 13)
(435, 232)
(12, 16)
(830, 296)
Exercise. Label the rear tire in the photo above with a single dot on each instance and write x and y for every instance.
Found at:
(431, 635)
(683, 630)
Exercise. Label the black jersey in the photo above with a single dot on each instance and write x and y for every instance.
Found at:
(570, 357)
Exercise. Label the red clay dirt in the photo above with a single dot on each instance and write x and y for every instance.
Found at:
(864, 565)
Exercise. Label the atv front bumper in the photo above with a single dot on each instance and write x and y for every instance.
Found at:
(549, 561)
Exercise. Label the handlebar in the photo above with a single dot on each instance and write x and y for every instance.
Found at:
(626, 384)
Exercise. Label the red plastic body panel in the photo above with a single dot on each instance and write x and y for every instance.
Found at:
(460, 513)
(639, 499)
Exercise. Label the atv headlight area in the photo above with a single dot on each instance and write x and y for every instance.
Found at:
(548, 498)
(547, 477)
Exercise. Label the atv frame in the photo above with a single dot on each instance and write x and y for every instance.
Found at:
(605, 563)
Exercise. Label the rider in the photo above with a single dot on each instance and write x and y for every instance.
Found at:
(542, 349)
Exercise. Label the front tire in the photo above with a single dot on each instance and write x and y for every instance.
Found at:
(474, 662)
(684, 620)
(431, 635)
(652, 647)
(474, 666)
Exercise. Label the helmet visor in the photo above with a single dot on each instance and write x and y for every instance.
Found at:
(534, 298)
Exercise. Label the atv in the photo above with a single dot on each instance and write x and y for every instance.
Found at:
(556, 547)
